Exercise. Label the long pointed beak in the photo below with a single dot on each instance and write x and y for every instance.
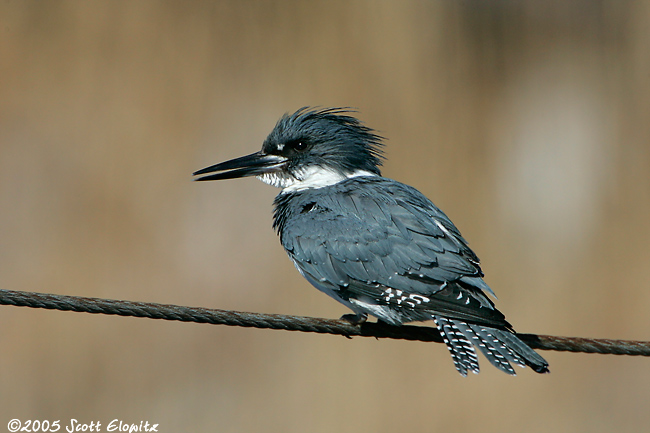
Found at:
(254, 164)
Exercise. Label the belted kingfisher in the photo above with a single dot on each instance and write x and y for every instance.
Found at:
(376, 245)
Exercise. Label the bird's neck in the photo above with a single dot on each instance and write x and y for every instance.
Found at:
(319, 177)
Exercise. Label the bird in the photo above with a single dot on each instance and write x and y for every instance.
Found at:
(376, 245)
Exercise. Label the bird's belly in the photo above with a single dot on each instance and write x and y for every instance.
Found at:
(329, 289)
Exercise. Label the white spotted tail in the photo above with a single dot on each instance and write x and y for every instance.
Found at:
(499, 347)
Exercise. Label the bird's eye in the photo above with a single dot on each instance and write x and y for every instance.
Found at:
(298, 146)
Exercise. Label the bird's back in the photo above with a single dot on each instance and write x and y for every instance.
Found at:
(384, 246)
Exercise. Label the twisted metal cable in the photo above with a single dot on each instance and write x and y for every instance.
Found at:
(298, 323)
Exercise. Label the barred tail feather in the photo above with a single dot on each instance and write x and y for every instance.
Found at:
(500, 347)
(461, 349)
(532, 359)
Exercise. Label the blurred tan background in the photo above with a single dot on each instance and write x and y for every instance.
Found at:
(526, 122)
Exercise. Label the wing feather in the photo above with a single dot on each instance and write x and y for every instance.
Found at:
(360, 242)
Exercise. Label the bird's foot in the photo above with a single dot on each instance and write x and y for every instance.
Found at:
(355, 319)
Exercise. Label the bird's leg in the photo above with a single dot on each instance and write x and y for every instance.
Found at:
(355, 319)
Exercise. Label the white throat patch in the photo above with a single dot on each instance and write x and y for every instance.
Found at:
(310, 177)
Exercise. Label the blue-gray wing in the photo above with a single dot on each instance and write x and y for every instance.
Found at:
(361, 242)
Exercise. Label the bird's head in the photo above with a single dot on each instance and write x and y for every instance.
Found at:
(310, 148)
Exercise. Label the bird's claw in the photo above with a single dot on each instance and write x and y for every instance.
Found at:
(355, 319)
